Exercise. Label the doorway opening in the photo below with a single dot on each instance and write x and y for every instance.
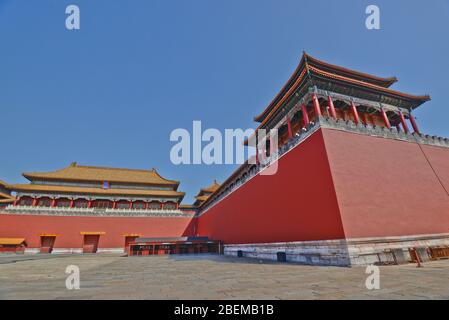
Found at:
(47, 243)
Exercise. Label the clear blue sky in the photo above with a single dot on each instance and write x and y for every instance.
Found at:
(111, 93)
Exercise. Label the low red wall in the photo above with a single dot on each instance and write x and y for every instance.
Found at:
(388, 187)
(31, 226)
(297, 203)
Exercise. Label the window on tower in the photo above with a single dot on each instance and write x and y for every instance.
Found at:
(63, 202)
(170, 206)
(25, 201)
(123, 205)
(44, 202)
(154, 205)
(139, 205)
(81, 203)
(102, 204)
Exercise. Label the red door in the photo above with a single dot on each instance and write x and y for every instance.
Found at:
(90, 244)
(47, 244)
(128, 240)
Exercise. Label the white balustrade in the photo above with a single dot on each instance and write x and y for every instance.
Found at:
(18, 209)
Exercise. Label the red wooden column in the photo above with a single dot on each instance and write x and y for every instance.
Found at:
(15, 202)
(53, 202)
(257, 154)
(355, 113)
(271, 145)
(34, 202)
(162, 205)
(289, 128)
(331, 107)
(316, 105)
(257, 149)
(404, 124)
(384, 115)
(130, 204)
(364, 118)
(305, 116)
(89, 203)
(414, 124)
(114, 204)
(72, 203)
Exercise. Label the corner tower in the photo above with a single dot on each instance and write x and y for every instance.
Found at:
(357, 181)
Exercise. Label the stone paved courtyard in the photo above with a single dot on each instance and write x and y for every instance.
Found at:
(210, 277)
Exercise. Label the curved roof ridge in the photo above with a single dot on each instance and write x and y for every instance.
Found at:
(387, 80)
(25, 174)
(153, 170)
(110, 168)
(283, 89)
(98, 173)
(411, 96)
(211, 188)
(269, 111)
(307, 62)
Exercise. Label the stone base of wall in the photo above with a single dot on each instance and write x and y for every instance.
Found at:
(74, 250)
(345, 252)
(111, 250)
(66, 250)
(32, 250)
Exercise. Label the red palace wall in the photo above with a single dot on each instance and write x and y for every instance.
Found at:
(387, 187)
(384, 187)
(334, 185)
(297, 203)
(69, 228)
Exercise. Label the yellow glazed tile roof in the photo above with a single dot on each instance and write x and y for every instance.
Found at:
(201, 198)
(214, 186)
(309, 63)
(75, 172)
(6, 198)
(11, 241)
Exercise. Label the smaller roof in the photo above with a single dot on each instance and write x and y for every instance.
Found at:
(171, 239)
(205, 193)
(202, 198)
(187, 206)
(7, 201)
(3, 183)
(11, 241)
(214, 186)
(6, 198)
